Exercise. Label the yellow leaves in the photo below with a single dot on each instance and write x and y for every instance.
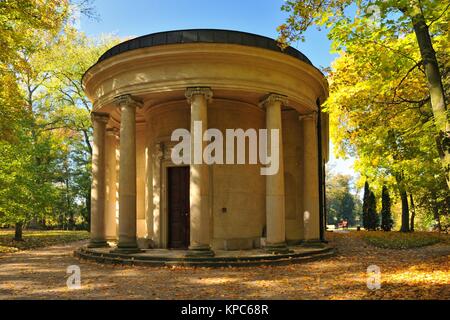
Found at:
(375, 162)
(400, 240)
(372, 85)
(420, 273)
(23, 24)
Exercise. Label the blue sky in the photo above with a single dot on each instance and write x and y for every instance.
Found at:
(138, 17)
(129, 18)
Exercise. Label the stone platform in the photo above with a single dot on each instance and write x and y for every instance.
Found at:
(222, 258)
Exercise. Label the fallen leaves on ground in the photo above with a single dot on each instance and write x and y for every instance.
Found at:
(38, 239)
(420, 273)
(403, 240)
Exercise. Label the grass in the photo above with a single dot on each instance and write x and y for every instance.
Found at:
(400, 240)
(380, 239)
(38, 239)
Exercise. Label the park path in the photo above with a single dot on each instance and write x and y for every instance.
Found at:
(422, 273)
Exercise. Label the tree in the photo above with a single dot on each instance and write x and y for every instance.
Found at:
(21, 19)
(375, 118)
(413, 212)
(386, 216)
(365, 207)
(342, 204)
(348, 208)
(16, 183)
(23, 25)
(71, 55)
(352, 23)
(372, 216)
(45, 140)
(20, 24)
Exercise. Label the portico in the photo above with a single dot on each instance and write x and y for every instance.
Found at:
(146, 88)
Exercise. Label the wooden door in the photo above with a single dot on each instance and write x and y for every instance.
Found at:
(178, 198)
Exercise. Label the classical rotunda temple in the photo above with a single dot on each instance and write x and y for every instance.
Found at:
(145, 88)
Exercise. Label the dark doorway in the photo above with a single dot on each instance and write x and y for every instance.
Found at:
(178, 198)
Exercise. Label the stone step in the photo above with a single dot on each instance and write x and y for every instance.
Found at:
(110, 258)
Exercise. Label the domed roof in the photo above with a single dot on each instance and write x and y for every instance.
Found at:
(202, 36)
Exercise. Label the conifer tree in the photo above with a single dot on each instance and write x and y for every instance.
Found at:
(372, 217)
(386, 216)
(365, 218)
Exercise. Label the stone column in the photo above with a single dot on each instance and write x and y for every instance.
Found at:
(275, 202)
(157, 156)
(149, 195)
(112, 136)
(200, 214)
(127, 174)
(117, 185)
(98, 236)
(311, 179)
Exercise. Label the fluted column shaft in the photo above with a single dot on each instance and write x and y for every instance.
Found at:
(112, 136)
(275, 195)
(200, 214)
(310, 173)
(98, 236)
(127, 174)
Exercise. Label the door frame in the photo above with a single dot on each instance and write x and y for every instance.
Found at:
(166, 201)
(161, 161)
(164, 222)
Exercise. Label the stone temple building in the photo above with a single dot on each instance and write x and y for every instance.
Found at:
(145, 88)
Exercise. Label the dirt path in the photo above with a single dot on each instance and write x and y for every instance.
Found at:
(405, 274)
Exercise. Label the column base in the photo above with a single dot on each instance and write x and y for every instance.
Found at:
(200, 251)
(127, 248)
(313, 243)
(294, 242)
(98, 244)
(277, 248)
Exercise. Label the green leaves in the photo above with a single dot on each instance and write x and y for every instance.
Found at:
(45, 126)
(379, 104)
(341, 202)
(20, 23)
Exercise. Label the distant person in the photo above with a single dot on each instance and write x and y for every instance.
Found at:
(345, 224)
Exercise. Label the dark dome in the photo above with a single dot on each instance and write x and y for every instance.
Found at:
(202, 36)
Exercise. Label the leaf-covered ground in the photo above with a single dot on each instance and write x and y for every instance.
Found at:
(421, 273)
(402, 240)
(38, 239)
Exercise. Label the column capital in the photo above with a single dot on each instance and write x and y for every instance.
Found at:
(273, 97)
(100, 117)
(159, 151)
(113, 131)
(129, 100)
(192, 91)
(308, 116)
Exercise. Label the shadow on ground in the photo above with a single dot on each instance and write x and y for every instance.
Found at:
(422, 273)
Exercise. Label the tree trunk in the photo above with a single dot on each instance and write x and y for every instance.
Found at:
(71, 224)
(437, 218)
(435, 87)
(413, 212)
(405, 210)
(18, 231)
